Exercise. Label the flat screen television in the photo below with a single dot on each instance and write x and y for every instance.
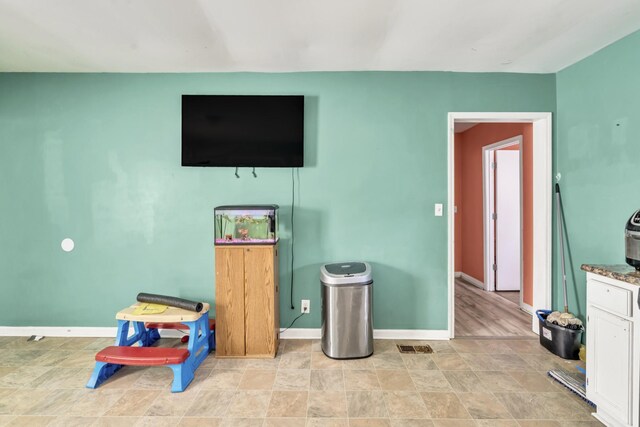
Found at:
(241, 130)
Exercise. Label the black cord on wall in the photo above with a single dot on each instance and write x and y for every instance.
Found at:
(293, 203)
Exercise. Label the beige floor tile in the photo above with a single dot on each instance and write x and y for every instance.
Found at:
(388, 361)
(199, 422)
(369, 422)
(231, 364)
(52, 358)
(295, 361)
(150, 421)
(169, 404)
(241, 422)
(249, 404)
(532, 380)
(4, 370)
(327, 422)
(463, 381)
(316, 345)
(157, 377)
(58, 402)
(23, 376)
(116, 421)
(444, 405)
(285, 422)
(19, 357)
(395, 379)
(254, 379)
(6, 419)
(411, 423)
(450, 362)
(547, 362)
(30, 421)
(593, 423)
(18, 402)
(454, 423)
(79, 359)
(385, 346)
(430, 381)
(209, 362)
(498, 381)
(83, 343)
(405, 404)
(297, 346)
(366, 404)
(331, 404)
(288, 404)
(419, 361)
(497, 423)
(94, 402)
(355, 364)
(566, 406)
(525, 406)
(124, 379)
(484, 406)
(211, 403)
(327, 379)
(99, 343)
(55, 378)
(292, 379)
(223, 379)
(263, 364)
(509, 362)
(361, 379)
(132, 403)
(72, 421)
(526, 346)
(538, 423)
(320, 361)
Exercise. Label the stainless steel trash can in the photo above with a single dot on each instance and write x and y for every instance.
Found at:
(347, 300)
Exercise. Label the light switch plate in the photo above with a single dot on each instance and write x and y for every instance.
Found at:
(438, 209)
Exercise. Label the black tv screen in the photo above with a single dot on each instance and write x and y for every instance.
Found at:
(240, 130)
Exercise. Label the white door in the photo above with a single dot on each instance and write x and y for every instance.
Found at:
(507, 223)
(609, 363)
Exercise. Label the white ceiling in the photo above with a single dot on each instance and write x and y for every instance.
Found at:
(307, 35)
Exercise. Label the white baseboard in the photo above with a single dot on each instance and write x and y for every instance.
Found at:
(72, 331)
(293, 333)
(527, 308)
(380, 334)
(301, 334)
(472, 280)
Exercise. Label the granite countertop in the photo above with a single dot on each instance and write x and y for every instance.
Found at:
(622, 272)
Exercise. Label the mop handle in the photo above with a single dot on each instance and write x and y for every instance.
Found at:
(564, 274)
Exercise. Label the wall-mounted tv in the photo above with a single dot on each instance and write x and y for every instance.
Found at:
(242, 131)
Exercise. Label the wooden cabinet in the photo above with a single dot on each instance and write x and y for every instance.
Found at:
(247, 301)
(612, 350)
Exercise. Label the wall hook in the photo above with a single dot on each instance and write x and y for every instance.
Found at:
(237, 176)
(254, 173)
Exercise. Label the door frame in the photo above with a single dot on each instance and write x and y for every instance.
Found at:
(488, 199)
(542, 202)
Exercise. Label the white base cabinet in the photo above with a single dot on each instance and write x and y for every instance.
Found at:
(613, 350)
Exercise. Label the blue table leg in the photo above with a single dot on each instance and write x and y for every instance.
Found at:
(101, 373)
(199, 341)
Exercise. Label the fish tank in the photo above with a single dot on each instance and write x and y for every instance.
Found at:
(246, 225)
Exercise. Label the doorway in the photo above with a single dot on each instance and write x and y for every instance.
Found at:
(539, 220)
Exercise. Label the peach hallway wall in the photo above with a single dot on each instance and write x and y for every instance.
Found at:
(469, 247)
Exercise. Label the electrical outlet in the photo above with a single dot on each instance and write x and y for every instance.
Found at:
(305, 305)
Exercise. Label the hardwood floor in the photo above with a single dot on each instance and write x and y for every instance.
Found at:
(485, 314)
(513, 296)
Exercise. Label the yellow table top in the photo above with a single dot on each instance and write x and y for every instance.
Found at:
(171, 314)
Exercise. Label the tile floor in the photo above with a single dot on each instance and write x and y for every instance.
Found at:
(464, 383)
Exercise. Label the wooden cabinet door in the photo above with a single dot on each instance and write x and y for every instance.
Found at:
(259, 301)
(609, 363)
(230, 301)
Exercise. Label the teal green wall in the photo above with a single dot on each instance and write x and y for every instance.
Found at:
(597, 153)
(96, 157)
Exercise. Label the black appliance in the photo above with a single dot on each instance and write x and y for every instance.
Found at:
(632, 241)
(243, 131)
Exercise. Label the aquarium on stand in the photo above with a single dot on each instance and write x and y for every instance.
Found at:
(246, 225)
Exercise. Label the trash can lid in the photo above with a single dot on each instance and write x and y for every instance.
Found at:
(342, 273)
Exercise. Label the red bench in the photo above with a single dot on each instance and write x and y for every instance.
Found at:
(142, 356)
(184, 339)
